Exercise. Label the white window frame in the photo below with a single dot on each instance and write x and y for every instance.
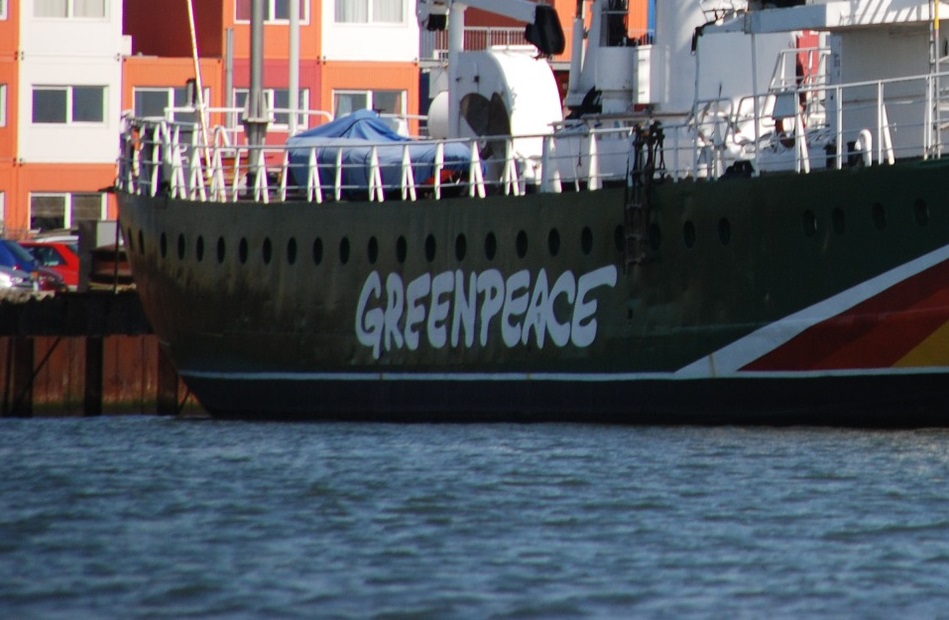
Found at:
(69, 104)
(304, 117)
(370, 94)
(3, 9)
(3, 103)
(71, 12)
(370, 17)
(169, 92)
(270, 10)
(68, 204)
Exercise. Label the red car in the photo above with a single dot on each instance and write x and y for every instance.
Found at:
(56, 256)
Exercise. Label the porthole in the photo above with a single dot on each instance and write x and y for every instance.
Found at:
(688, 234)
(921, 212)
(809, 223)
(163, 245)
(220, 249)
(181, 247)
(242, 250)
(401, 249)
(839, 221)
(317, 251)
(430, 248)
(141, 243)
(199, 248)
(879, 216)
(344, 250)
(373, 250)
(521, 244)
(490, 246)
(553, 242)
(291, 251)
(586, 240)
(724, 231)
(655, 237)
(461, 247)
(619, 238)
(267, 251)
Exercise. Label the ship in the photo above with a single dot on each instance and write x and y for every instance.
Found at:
(741, 219)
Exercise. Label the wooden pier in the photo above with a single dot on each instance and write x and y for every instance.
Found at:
(81, 354)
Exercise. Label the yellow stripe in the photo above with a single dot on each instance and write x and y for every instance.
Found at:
(933, 351)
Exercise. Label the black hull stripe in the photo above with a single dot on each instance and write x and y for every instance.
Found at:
(891, 400)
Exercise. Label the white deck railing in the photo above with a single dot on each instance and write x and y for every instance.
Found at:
(878, 123)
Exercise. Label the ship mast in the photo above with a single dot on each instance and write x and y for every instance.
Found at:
(255, 120)
(199, 86)
(294, 82)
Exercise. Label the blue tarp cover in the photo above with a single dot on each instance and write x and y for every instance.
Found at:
(353, 133)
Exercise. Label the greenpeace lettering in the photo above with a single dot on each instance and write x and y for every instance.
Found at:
(451, 309)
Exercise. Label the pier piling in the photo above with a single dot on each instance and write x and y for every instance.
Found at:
(85, 354)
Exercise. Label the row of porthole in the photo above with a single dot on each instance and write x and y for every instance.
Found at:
(877, 213)
(809, 223)
(401, 247)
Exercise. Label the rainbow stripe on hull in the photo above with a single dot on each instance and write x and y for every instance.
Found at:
(899, 320)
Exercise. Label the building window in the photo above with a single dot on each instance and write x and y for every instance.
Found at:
(370, 11)
(54, 211)
(278, 103)
(3, 103)
(155, 101)
(3, 15)
(68, 104)
(390, 102)
(69, 8)
(274, 10)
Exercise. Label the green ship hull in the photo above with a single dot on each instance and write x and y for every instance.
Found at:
(784, 298)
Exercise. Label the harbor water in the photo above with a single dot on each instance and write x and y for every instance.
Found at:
(166, 518)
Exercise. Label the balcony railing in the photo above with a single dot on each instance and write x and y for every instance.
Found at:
(433, 46)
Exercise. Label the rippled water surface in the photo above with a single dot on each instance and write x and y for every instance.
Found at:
(132, 517)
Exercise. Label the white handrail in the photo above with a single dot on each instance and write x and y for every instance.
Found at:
(153, 158)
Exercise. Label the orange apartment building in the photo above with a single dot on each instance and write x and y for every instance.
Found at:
(60, 76)
(9, 43)
(348, 61)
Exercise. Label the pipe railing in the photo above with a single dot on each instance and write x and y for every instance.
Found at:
(160, 155)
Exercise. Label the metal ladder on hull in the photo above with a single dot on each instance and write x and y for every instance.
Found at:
(647, 142)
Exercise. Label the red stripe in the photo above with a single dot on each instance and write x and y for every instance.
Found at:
(875, 333)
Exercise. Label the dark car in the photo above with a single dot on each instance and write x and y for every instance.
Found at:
(14, 279)
(57, 256)
(13, 256)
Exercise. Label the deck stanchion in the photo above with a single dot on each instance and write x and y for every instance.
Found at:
(376, 190)
(284, 174)
(475, 176)
(408, 175)
(593, 166)
(437, 172)
(338, 187)
(314, 189)
(509, 174)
